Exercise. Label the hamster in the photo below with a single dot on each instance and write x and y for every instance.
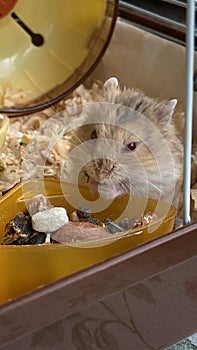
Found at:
(129, 143)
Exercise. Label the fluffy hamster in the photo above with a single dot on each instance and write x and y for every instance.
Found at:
(129, 142)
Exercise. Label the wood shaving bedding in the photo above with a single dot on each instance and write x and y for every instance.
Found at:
(35, 145)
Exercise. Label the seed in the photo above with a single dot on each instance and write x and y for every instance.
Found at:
(74, 217)
(145, 219)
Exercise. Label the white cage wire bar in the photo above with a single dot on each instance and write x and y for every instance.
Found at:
(190, 38)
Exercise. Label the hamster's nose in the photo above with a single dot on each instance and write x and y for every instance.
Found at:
(104, 167)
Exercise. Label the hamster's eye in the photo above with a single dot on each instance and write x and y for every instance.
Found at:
(131, 146)
(94, 135)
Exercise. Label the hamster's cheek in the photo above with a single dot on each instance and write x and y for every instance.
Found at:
(109, 190)
(93, 185)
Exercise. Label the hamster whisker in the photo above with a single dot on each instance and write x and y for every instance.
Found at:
(153, 185)
(125, 186)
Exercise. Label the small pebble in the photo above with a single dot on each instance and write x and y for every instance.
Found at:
(124, 223)
(37, 204)
(79, 232)
(94, 221)
(39, 238)
(111, 227)
(49, 220)
(19, 228)
(84, 212)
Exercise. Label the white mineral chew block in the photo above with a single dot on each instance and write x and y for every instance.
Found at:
(49, 220)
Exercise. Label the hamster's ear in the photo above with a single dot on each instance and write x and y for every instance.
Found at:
(166, 110)
(170, 109)
(111, 83)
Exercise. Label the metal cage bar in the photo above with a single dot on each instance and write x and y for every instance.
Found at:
(190, 35)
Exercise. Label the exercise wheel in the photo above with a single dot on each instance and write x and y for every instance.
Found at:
(48, 48)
